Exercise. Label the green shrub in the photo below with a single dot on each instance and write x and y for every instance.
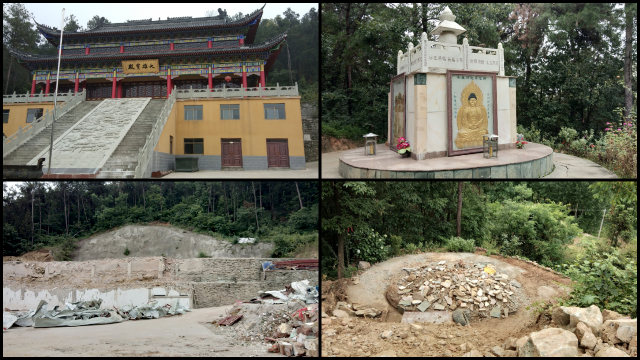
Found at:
(410, 248)
(305, 218)
(370, 246)
(126, 251)
(539, 231)
(203, 255)
(395, 245)
(458, 244)
(606, 279)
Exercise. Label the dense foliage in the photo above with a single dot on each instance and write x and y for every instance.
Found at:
(538, 220)
(39, 214)
(606, 278)
(575, 65)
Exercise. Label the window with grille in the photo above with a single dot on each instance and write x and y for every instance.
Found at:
(274, 111)
(193, 146)
(230, 111)
(33, 114)
(193, 112)
(5, 116)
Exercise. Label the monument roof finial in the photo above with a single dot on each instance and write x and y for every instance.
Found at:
(448, 24)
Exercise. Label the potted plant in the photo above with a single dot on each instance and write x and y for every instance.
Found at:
(521, 143)
(404, 148)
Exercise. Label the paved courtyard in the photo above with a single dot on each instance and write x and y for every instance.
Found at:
(566, 167)
(311, 172)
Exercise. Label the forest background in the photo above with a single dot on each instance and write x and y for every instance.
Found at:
(20, 32)
(576, 68)
(56, 215)
(587, 230)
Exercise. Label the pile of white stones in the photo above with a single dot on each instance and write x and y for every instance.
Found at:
(448, 287)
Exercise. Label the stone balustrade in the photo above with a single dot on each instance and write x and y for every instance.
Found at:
(25, 133)
(144, 155)
(36, 98)
(269, 91)
(433, 56)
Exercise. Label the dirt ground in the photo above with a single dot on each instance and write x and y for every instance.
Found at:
(37, 255)
(362, 337)
(330, 144)
(191, 334)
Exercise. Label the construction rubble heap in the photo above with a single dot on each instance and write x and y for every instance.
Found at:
(287, 319)
(87, 313)
(478, 288)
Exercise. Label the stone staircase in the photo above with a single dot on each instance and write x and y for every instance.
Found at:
(124, 159)
(34, 146)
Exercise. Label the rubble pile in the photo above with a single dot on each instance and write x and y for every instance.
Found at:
(287, 318)
(478, 288)
(578, 332)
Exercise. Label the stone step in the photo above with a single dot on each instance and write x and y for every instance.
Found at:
(125, 157)
(39, 142)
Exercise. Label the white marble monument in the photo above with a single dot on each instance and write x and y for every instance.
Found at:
(445, 96)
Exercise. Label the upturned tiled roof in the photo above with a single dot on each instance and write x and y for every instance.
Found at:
(149, 26)
(36, 61)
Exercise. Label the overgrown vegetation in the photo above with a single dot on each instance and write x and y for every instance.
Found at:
(63, 212)
(604, 277)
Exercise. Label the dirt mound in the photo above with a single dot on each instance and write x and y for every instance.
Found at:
(355, 336)
(332, 292)
(330, 144)
(163, 240)
(37, 255)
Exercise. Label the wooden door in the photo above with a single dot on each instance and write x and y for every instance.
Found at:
(278, 152)
(231, 153)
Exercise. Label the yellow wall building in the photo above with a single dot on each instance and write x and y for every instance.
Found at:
(21, 115)
(249, 133)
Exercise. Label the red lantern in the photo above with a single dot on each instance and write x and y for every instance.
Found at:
(227, 78)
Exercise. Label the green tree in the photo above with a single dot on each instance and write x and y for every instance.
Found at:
(18, 34)
(97, 21)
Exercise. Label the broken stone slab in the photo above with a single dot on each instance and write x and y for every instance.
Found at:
(611, 351)
(438, 306)
(588, 340)
(386, 334)
(340, 313)
(618, 331)
(550, 342)
(369, 312)
(424, 306)
(570, 316)
(433, 317)
(495, 312)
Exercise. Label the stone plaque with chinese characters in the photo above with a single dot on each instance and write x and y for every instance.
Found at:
(472, 110)
(140, 66)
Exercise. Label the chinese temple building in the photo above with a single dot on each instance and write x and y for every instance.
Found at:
(187, 87)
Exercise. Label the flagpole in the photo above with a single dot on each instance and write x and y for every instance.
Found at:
(55, 95)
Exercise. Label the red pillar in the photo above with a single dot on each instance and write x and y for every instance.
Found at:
(241, 41)
(46, 89)
(77, 83)
(244, 76)
(121, 49)
(168, 82)
(171, 46)
(86, 50)
(113, 86)
(120, 89)
(209, 44)
(33, 85)
(210, 76)
(262, 78)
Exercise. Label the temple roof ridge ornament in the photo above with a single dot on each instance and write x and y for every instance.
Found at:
(149, 25)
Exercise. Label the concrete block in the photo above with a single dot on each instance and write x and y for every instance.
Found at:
(463, 174)
(513, 171)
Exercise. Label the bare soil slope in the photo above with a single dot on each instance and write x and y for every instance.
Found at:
(362, 337)
(168, 241)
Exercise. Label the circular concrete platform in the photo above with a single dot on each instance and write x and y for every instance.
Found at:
(535, 161)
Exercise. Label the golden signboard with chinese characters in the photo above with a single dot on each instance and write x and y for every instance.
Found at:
(140, 66)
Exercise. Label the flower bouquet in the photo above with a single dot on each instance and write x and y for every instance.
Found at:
(404, 148)
(521, 143)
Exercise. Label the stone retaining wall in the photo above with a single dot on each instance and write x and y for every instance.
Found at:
(205, 282)
(311, 131)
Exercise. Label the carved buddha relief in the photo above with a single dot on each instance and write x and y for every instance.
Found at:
(398, 118)
(472, 118)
